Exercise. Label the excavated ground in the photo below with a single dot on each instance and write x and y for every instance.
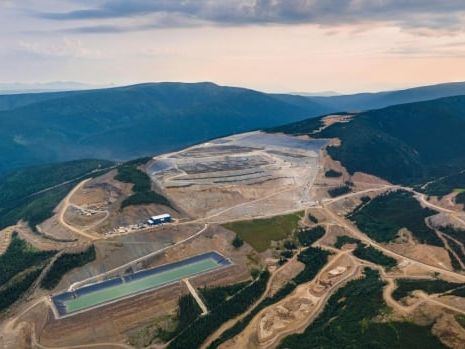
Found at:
(225, 179)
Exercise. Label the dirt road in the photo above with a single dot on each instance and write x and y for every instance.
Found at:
(230, 323)
(295, 327)
(64, 206)
(358, 234)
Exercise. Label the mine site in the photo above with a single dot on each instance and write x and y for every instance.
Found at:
(236, 174)
(242, 176)
(261, 228)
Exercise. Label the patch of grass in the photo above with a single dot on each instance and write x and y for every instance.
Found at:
(259, 233)
(166, 329)
(64, 264)
(383, 217)
(406, 286)
(159, 328)
(460, 319)
(348, 321)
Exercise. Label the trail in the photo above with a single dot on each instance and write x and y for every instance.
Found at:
(64, 207)
(432, 299)
(325, 206)
(361, 236)
(459, 243)
(5, 238)
(244, 204)
(319, 306)
(231, 322)
(365, 191)
(36, 344)
(196, 296)
(93, 224)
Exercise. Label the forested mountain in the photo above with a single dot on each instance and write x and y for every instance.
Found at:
(367, 101)
(125, 122)
(133, 121)
(408, 143)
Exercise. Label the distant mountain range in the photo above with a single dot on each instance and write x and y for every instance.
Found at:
(53, 86)
(367, 101)
(126, 122)
(407, 143)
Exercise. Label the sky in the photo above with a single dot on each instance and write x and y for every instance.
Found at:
(271, 45)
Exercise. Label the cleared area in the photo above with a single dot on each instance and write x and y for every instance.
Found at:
(111, 290)
(222, 179)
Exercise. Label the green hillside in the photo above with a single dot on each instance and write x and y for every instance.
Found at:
(367, 101)
(139, 120)
(408, 143)
(32, 193)
(133, 121)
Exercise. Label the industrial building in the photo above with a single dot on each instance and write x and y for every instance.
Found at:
(160, 219)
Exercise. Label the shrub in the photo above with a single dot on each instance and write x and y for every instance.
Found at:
(309, 236)
(338, 191)
(237, 242)
(333, 173)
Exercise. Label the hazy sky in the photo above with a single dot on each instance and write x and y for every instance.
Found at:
(272, 45)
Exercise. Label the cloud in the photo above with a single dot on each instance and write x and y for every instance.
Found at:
(66, 48)
(454, 49)
(444, 15)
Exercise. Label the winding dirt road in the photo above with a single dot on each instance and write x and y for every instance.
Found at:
(64, 206)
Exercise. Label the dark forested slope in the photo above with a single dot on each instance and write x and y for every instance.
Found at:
(367, 101)
(133, 121)
(408, 143)
(125, 122)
